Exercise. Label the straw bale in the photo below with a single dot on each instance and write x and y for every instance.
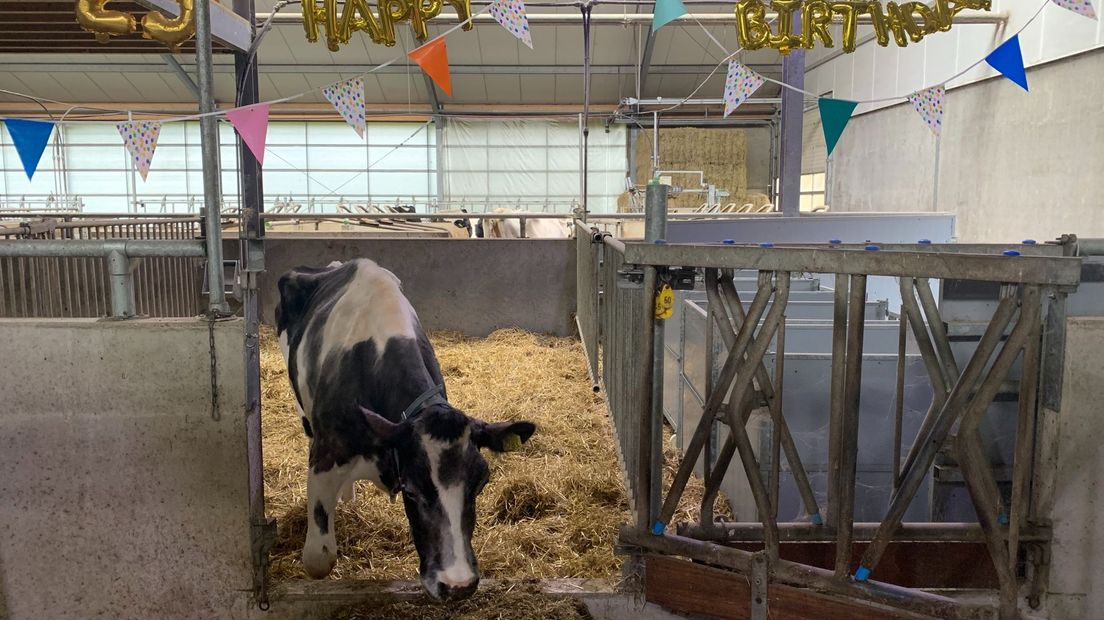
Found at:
(721, 153)
(550, 510)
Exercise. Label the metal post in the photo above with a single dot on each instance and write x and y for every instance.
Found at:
(849, 430)
(122, 287)
(655, 228)
(793, 113)
(835, 399)
(586, 103)
(209, 147)
(899, 398)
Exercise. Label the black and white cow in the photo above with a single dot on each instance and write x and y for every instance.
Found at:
(373, 403)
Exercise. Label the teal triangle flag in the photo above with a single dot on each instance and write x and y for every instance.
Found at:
(30, 139)
(665, 12)
(834, 114)
(1009, 61)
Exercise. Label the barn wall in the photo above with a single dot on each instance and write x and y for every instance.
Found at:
(120, 496)
(473, 286)
(1012, 165)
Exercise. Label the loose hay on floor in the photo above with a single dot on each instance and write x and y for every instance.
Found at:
(503, 601)
(550, 510)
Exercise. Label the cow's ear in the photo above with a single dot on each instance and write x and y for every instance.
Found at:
(502, 436)
(386, 430)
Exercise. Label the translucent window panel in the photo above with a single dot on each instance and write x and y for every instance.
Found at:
(519, 184)
(285, 158)
(337, 183)
(285, 183)
(564, 185)
(563, 158)
(401, 158)
(818, 182)
(99, 182)
(286, 133)
(344, 158)
(806, 182)
(564, 133)
(400, 184)
(162, 183)
(462, 158)
(322, 134)
(517, 158)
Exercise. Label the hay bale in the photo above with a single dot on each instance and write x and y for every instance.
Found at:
(550, 510)
(720, 153)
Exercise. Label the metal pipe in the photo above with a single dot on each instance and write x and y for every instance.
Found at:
(633, 101)
(776, 416)
(940, 386)
(800, 531)
(655, 229)
(209, 147)
(122, 287)
(849, 429)
(647, 379)
(1090, 247)
(899, 398)
(1022, 464)
(836, 395)
(793, 118)
(930, 444)
(800, 575)
(132, 248)
(938, 329)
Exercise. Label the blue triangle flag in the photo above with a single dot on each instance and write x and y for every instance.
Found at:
(1009, 61)
(665, 12)
(30, 139)
(834, 115)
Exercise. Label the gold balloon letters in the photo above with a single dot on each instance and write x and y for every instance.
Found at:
(93, 17)
(380, 26)
(910, 21)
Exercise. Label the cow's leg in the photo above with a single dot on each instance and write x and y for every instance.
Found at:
(348, 492)
(320, 547)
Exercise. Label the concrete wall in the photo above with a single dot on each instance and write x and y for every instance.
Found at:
(120, 496)
(474, 286)
(1075, 504)
(1012, 165)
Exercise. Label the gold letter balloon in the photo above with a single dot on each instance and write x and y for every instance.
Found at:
(94, 18)
(172, 32)
(379, 25)
(907, 22)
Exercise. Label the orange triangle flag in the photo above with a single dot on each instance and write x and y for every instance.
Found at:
(433, 59)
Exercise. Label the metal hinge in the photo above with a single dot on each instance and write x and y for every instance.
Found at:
(264, 539)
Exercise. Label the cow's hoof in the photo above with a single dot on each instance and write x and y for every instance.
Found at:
(319, 564)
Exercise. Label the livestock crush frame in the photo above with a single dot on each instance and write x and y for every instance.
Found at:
(618, 284)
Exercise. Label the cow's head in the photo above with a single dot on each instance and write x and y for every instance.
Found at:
(441, 472)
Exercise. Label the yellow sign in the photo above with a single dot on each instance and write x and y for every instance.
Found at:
(905, 22)
(380, 26)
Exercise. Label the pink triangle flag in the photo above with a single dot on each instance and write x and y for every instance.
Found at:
(740, 83)
(348, 98)
(511, 15)
(252, 125)
(140, 139)
(1081, 7)
(928, 103)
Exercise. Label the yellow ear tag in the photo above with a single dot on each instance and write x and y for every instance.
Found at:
(511, 442)
(665, 303)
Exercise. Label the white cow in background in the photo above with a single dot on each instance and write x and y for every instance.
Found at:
(510, 228)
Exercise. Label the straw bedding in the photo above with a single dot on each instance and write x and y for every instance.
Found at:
(551, 510)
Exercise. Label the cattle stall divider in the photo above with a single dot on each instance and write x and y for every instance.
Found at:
(617, 298)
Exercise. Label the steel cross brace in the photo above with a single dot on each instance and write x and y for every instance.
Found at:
(967, 400)
(723, 293)
(747, 351)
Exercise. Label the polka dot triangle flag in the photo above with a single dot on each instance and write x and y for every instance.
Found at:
(348, 98)
(1081, 7)
(511, 14)
(928, 103)
(140, 138)
(739, 85)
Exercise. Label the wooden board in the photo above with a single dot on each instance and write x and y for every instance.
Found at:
(701, 591)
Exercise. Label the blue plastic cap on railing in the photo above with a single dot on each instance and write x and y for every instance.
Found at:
(658, 528)
(862, 574)
(660, 241)
(834, 241)
(729, 242)
(924, 242)
(817, 519)
(1029, 242)
(872, 248)
(1011, 252)
(766, 245)
(1002, 518)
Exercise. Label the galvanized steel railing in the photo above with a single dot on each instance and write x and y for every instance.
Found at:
(962, 397)
(56, 286)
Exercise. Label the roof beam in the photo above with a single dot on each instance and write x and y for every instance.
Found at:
(181, 73)
(356, 69)
(431, 92)
(645, 63)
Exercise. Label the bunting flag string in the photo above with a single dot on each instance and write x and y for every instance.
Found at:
(252, 126)
(665, 12)
(834, 116)
(433, 59)
(511, 15)
(348, 99)
(928, 103)
(140, 139)
(30, 139)
(1008, 60)
(1081, 7)
(740, 84)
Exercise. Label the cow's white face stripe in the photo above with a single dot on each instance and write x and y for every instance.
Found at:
(457, 570)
